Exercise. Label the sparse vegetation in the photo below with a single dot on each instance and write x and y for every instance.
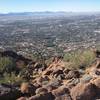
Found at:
(6, 63)
(79, 59)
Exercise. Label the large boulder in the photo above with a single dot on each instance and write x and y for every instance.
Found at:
(60, 91)
(94, 70)
(96, 82)
(47, 96)
(49, 87)
(72, 74)
(64, 97)
(86, 78)
(57, 72)
(71, 82)
(41, 91)
(55, 83)
(42, 80)
(83, 92)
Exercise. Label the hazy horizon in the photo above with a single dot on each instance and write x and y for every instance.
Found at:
(50, 12)
(7, 6)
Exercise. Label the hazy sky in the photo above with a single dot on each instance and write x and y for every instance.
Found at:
(49, 5)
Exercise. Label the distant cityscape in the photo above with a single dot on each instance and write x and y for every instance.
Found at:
(50, 32)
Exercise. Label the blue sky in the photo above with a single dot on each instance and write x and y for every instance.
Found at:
(49, 5)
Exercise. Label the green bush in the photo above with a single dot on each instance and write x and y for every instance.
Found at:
(8, 71)
(6, 62)
(79, 58)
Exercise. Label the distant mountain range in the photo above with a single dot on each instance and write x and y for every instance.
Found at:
(35, 13)
(45, 13)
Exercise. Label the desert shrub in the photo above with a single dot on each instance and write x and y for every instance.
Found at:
(6, 63)
(79, 59)
(87, 58)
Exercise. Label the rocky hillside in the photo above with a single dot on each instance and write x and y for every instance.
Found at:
(54, 82)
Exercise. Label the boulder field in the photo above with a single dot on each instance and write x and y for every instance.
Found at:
(56, 82)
